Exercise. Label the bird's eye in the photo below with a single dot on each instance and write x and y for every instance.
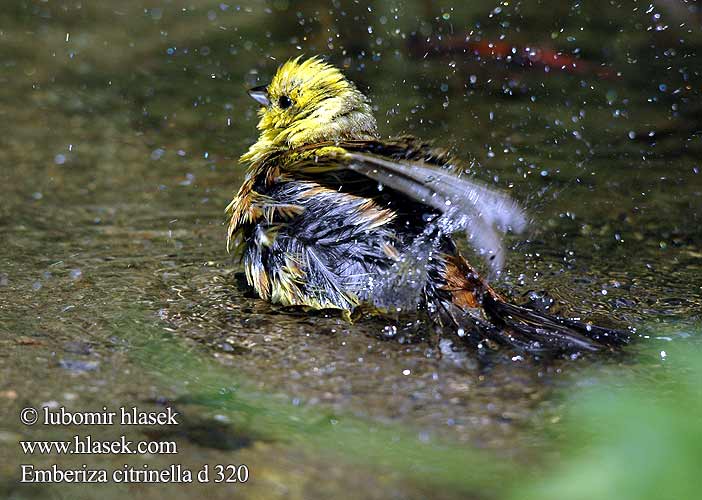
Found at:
(284, 102)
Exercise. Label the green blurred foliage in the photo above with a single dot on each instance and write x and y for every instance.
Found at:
(630, 441)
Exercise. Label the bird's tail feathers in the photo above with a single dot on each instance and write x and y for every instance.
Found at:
(533, 331)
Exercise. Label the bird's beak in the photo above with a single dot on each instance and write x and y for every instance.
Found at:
(260, 95)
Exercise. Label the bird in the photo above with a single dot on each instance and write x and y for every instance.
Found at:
(332, 216)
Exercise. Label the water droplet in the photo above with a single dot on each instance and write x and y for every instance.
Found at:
(189, 178)
(157, 153)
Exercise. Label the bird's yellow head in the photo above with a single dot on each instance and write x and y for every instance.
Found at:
(309, 101)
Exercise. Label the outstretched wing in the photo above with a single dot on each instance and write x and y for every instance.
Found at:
(417, 173)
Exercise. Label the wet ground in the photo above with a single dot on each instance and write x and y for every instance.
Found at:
(119, 134)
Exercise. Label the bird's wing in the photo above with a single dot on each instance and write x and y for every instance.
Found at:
(482, 212)
(465, 204)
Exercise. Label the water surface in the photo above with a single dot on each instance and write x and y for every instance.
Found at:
(120, 132)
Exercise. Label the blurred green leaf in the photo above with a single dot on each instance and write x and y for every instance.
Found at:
(636, 441)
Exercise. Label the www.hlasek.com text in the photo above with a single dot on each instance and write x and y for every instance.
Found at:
(86, 445)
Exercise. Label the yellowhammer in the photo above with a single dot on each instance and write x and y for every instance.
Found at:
(332, 216)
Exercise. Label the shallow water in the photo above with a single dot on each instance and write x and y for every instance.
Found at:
(119, 137)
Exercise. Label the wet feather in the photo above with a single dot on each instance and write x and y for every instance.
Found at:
(332, 216)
